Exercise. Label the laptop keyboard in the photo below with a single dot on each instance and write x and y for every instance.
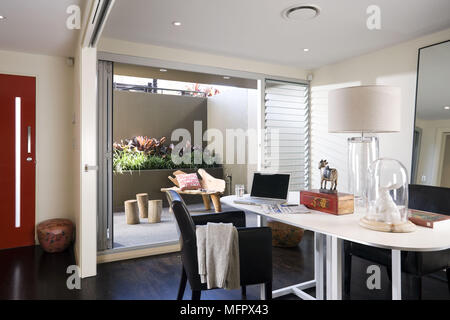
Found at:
(259, 201)
(266, 201)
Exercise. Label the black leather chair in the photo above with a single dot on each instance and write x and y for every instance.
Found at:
(416, 264)
(255, 248)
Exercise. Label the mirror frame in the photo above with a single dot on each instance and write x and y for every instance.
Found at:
(415, 113)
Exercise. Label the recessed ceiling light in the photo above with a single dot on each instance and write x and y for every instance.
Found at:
(301, 12)
(227, 78)
(176, 23)
(2, 17)
(163, 70)
(447, 107)
(306, 49)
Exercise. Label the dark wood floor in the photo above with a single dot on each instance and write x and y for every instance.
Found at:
(29, 273)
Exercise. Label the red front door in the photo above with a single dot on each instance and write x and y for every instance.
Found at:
(17, 160)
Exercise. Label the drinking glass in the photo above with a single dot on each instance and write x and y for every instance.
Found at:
(239, 190)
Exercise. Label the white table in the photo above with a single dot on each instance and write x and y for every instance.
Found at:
(329, 233)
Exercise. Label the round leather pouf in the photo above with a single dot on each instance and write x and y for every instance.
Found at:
(55, 235)
(284, 235)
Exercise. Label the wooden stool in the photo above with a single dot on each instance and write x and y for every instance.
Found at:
(131, 212)
(142, 199)
(154, 211)
(55, 235)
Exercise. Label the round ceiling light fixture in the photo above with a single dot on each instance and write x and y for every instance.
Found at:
(176, 23)
(447, 107)
(301, 12)
(2, 17)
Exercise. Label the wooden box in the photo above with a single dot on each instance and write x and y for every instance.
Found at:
(334, 203)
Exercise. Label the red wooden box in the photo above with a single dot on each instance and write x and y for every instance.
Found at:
(334, 203)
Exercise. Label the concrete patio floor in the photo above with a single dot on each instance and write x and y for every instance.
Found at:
(150, 234)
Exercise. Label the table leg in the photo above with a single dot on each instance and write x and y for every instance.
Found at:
(262, 222)
(318, 264)
(396, 275)
(299, 288)
(334, 268)
(328, 267)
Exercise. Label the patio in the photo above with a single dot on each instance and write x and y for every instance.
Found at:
(149, 234)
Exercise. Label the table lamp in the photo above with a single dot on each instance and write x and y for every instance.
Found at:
(363, 109)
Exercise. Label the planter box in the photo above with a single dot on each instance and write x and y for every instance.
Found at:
(126, 185)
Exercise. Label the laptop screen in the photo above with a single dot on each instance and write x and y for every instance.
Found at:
(273, 186)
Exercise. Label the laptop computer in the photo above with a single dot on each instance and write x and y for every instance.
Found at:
(267, 189)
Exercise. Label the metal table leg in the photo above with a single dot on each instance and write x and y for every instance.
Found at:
(334, 268)
(319, 251)
(396, 275)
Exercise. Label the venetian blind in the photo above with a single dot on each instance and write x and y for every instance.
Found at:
(286, 136)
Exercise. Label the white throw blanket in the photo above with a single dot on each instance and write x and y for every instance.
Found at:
(218, 255)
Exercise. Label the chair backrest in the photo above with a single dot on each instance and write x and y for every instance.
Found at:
(429, 198)
(188, 239)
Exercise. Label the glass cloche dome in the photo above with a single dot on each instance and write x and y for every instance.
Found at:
(387, 197)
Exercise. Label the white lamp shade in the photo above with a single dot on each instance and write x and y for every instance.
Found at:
(364, 109)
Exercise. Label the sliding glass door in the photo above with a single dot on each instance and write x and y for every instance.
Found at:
(105, 107)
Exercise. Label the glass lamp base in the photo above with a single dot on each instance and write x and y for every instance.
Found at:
(362, 151)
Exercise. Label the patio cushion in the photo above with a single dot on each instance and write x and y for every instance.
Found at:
(188, 181)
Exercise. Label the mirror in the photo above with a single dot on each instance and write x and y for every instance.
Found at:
(431, 148)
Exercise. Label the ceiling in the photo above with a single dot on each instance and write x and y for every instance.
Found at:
(433, 92)
(254, 29)
(37, 26)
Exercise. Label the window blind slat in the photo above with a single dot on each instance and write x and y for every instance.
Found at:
(286, 118)
(281, 110)
(284, 104)
(280, 97)
(286, 92)
(283, 150)
(285, 85)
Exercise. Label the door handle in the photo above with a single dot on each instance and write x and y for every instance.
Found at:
(88, 168)
(29, 140)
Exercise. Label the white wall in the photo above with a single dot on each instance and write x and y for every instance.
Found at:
(54, 153)
(197, 58)
(395, 66)
(235, 109)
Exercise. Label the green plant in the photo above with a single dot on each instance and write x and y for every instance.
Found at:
(146, 145)
(142, 153)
